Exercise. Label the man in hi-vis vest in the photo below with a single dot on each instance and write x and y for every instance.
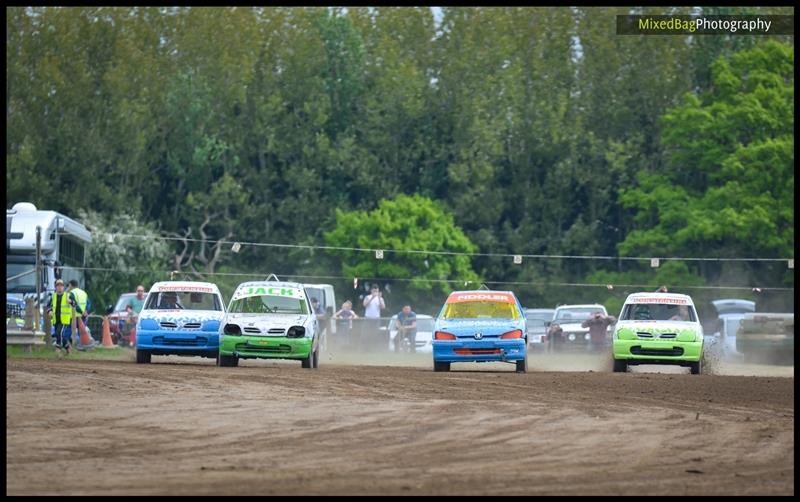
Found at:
(63, 308)
(83, 305)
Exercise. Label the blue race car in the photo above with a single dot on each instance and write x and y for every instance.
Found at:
(180, 318)
(480, 326)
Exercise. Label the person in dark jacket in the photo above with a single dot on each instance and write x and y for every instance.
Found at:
(598, 327)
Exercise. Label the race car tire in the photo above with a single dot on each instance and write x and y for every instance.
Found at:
(522, 365)
(696, 368)
(228, 361)
(143, 356)
(437, 366)
(316, 358)
(620, 366)
(308, 362)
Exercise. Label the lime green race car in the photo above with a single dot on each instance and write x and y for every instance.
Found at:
(269, 320)
(658, 328)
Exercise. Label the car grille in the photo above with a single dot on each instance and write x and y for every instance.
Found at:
(188, 342)
(191, 325)
(275, 349)
(674, 351)
(168, 324)
(476, 352)
(254, 331)
(663, 336)
(276, 331)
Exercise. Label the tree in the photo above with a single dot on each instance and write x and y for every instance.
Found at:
(405, 223)
(730, 187)
(123, 261)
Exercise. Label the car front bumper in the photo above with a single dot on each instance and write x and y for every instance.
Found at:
(178, 342)
(665, 352)
(277, 347)
(479, 351)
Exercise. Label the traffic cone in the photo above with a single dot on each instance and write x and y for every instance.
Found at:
(107, 343)
(86, 340)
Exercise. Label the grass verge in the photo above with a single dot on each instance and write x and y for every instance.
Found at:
(44, 352)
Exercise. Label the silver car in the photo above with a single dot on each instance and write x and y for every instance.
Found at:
(424, 333)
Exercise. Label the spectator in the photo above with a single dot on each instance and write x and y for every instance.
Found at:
(373, 304)
(662, 289)
(406, 324)
(346, 313)
(344, 321)
(555, 337)
(136, 303)
(316, 309)
(598, 327)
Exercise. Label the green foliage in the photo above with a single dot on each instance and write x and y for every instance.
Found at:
(538, 129)
(126, 261)
(405, 223)
(730, 188)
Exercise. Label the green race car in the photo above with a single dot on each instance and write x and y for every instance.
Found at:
(269, 320)
(658, 328)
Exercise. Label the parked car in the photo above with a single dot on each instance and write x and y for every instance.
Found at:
(538, 320)
(424, 335)
(569, 318)
(480, 326)
(122, 324)
(15, 310)
(270, 320)
(658, 328)
(327, 301)
(180, 318)
(766, 337)
(721, 331)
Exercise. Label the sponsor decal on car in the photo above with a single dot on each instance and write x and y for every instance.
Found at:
(268, 291)
(480, 297)
(651, 299)
(185, 288)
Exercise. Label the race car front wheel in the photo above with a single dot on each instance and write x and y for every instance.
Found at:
(696, 368)
(310, 361)
(522, 365)
(228, 361)
(142, 356)
(437, 366)
(620, 366)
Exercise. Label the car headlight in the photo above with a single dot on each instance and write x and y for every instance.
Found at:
(232, 329)
(571, 337)
(296, 332)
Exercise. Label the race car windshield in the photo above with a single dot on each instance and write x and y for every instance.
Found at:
(183, 300)
(577, 315)
(658, 312)
(478, 310)
(269, 304)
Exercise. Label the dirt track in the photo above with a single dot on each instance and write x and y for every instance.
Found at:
(186, 427)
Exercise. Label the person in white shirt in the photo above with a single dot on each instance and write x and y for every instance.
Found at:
(373, 304)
